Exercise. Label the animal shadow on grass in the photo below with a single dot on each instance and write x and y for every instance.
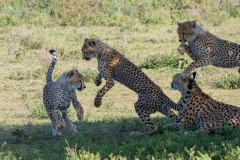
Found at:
(39, 138)
(105, 137)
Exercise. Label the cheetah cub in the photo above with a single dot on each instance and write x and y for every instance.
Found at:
(202, 110)
(205, 48)
(113, 66)
(58, 95)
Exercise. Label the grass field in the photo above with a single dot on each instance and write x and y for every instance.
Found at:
(104, 134)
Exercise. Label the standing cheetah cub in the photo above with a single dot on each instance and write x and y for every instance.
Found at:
(58, 95)
(205, 48)
(112, 65)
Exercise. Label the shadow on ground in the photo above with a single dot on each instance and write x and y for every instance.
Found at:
(110, 138)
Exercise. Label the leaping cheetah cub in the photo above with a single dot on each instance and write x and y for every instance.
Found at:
(112, 65)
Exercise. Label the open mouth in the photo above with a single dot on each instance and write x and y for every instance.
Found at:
(87, 58)
(183, 42)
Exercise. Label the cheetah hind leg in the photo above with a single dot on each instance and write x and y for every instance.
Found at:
(57, 130)
(68, 122)
(145, 117)
(58, 125)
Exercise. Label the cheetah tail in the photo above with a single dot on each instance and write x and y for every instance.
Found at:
(189, 87)
(180, 105)
(51, 67)
(54, 53)
(188, 91)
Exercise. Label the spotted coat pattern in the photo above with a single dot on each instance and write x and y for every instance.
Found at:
(112, 65)
(58, 95)
(203, 111)
(205, 48)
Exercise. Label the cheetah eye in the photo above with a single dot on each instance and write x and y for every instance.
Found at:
(184, 34)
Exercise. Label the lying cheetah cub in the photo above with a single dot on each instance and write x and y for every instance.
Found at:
(201, 110)
(205, 48)
(58, 95)
(112, 65)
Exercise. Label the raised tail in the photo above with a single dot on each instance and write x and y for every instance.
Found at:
(51, 67)
(183, 102)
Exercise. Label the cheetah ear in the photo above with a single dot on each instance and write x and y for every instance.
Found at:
(193, 23)
(90, 42)
(178, 23)
(70, 73)
(74, 69)
(85, 39)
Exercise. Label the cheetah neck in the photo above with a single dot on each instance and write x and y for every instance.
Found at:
(197, 30)
(106, 50)
(63, 81)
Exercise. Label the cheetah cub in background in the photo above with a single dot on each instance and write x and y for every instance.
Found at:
(58, 95)
(205, 48)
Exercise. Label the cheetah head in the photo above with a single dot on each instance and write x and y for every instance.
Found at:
(76, 80)
(179, 84)
(186, 31)
(89, 49)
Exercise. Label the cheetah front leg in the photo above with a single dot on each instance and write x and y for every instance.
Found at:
(109, 84)
(77, 106)
(196, 64)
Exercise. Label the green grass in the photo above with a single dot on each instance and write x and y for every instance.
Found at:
(145, 32)
(170, 61)
(109, 139)
(113, 13)
(231, 81)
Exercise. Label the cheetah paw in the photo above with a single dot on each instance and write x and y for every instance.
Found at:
(73, 129)
(152, 130)
(137, 133)
(183, 48)
(80, 117)
(98, 82)
(97, 102)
